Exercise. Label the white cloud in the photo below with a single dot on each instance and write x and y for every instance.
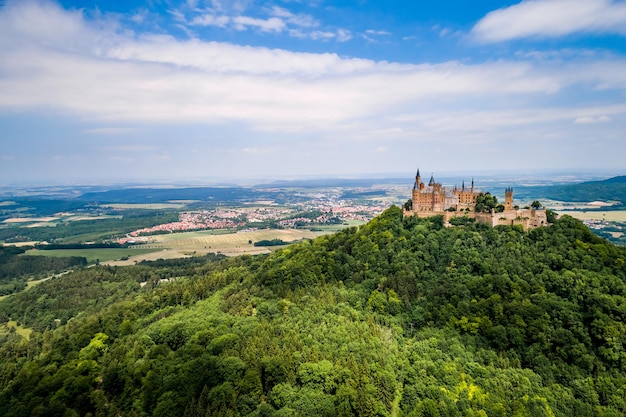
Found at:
(318, 34)
(129, 148)
(592, 120)
(377, 32)
(110, 130)
(273, 24)
(303, 20)
(343, 35)
(210, 20)
(551, 18)
(279, 20)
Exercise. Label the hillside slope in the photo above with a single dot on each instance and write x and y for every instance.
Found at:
(611, 189)
(398, 317)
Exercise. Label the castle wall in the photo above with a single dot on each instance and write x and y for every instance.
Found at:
(527, 218)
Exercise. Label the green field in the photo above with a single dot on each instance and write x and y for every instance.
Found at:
(89, 237)
(333, 228)
(22, 331)
(92, 255)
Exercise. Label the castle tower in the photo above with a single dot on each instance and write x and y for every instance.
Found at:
(508, 199)
(472, 185)
(416, 191)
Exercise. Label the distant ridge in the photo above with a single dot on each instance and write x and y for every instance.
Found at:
(611, 189)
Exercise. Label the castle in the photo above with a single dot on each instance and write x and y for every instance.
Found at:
(433, 199)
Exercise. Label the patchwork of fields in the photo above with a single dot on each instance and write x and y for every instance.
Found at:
(179, 245)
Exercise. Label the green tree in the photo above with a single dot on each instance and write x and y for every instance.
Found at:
(485, 202)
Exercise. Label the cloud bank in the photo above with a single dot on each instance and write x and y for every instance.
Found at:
(552, 18)
(99, 71)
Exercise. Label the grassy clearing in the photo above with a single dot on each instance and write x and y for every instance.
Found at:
(92, 255)
(203, 240)
(81, 218)
(30, 219)
(324, 230)
(33, 283)
(612, 216)
(22, 331)
(90, 237)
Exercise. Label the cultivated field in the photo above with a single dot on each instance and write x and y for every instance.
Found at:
(103, 255)
(179, 245)
(612, 216)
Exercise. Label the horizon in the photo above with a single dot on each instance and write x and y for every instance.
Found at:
(145, 91)
(540, 177)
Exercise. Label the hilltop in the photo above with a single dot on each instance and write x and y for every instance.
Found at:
(400, 316)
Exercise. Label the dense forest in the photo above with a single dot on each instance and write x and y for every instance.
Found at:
(400, 317)
(16, 269)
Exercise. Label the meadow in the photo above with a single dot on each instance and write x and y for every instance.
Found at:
(22, 331)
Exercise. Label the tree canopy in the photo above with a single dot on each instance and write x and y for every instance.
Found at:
(398, 317)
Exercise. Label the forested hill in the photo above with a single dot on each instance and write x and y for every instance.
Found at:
(611, 189)
(400, 317)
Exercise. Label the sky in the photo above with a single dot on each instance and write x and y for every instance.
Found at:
(195, 90)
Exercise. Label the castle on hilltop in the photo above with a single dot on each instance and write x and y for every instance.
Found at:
(434, 199)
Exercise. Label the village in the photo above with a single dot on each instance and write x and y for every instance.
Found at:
(319, 212)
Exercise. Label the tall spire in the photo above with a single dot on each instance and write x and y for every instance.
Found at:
(463, 186)
(472, 184)
(432, 180)
(416, 186)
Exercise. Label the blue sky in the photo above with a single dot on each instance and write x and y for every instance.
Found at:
(202, 89)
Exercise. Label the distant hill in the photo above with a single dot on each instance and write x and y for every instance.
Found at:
(160, 195)
(611, 189)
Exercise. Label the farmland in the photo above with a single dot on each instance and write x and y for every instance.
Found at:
(94, 255)
(178, 245)
(612, 216)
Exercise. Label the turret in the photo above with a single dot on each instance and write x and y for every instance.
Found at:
(508, 199)
(418, 180)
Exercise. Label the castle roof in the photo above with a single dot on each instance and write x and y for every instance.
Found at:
(432, 180)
